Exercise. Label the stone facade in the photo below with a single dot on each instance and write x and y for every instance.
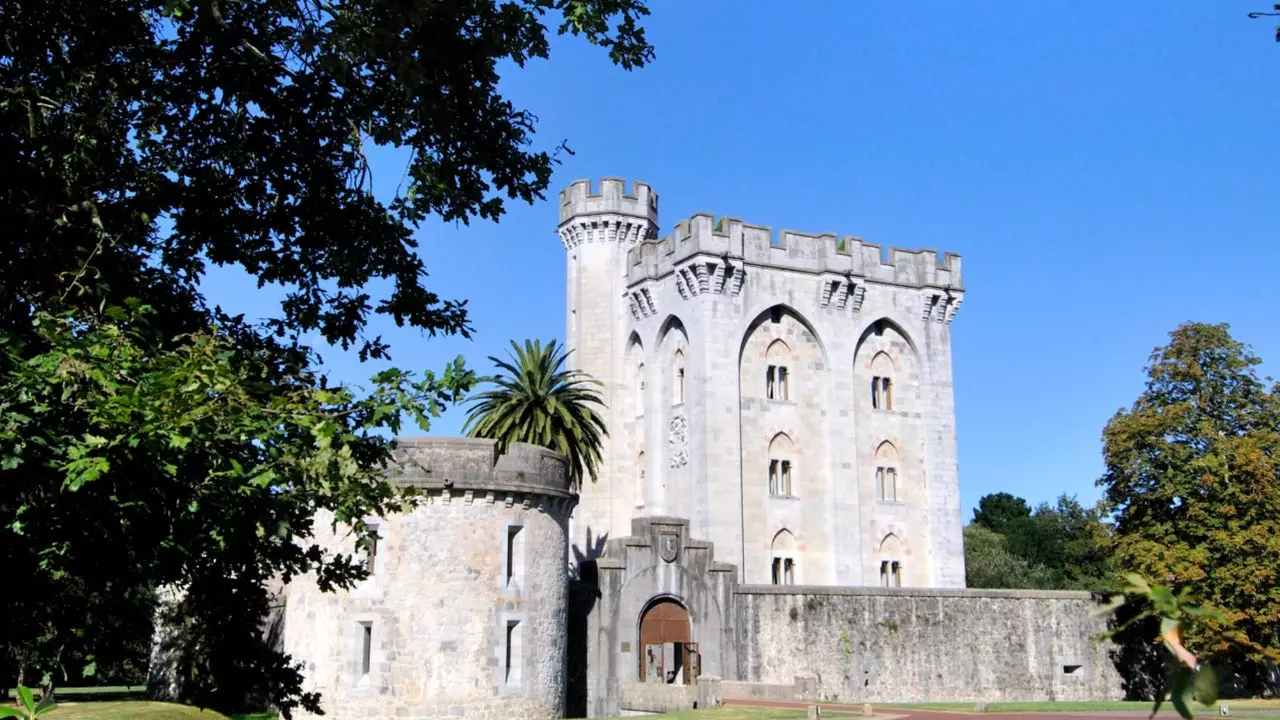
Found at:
(916, 645)
(465, 609)
(846, 645)
(738, 366)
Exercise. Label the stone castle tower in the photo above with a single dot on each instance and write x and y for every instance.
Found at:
(788, 393)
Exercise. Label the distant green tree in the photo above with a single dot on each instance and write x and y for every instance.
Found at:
(989, 564)
(1059, 546)
(536, 399)
(998, 510)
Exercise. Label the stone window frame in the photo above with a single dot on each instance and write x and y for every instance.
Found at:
(781, 466)
(514, 538)
(360, 683)
(508, 657)
(778, 373)
(377, 580)
(882, 381)
(679, 376)
(891, 550)
(888, 473)
(783, 561)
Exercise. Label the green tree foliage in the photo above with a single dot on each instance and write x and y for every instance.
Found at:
(988, 563)
(998, 511)
(1060, 546)
(149, 439)
(535, 399)
(1193, 476)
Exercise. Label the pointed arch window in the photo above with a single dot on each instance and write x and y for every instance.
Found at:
(887, 489)
(882, 382)
(678, 378)
(891, 565)
(782, 554)
(781, 452)
(778, 374)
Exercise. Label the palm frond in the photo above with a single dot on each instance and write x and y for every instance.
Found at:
(534, 399)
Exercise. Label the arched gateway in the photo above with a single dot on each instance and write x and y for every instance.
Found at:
(656, 609)
(668, 651)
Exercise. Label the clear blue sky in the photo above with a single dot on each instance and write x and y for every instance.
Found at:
(1107, 169)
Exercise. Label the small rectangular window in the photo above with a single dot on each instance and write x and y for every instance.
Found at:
(366, 647)
(371, 551)
(515, 556)
(514, 653)
(897, 574)
(884, 573)
(880, 483)
(773, 477)
(789, 571)
(783, 393)
(770, 379)
(887, 391)
(891, 484)
(785, 484)
(777, 571)
(680, 385)
(875, 393)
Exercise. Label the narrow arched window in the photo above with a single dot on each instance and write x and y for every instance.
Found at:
(887, 489)
(640, 390)
(778, 374)
(781, 452)
(882, 382)
(782, 554)
(891, 564)
(678, 378)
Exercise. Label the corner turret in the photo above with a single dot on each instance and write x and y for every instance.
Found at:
(632, 216)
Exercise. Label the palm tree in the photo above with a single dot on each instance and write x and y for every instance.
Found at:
(537, 400)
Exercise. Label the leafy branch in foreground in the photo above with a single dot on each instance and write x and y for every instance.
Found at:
(1190, 680)
(29, 709)
(198, 464)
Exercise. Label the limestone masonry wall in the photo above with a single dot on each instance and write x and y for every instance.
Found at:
(465, 609)
(914, 645)
(809, 476)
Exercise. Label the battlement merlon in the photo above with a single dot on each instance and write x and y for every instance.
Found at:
(579, 202)
(703, 237)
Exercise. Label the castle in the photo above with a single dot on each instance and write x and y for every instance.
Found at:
(776, 517)
(790, 394)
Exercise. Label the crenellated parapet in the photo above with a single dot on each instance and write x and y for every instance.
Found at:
(471, 470)
(712, 256)
(611, 214)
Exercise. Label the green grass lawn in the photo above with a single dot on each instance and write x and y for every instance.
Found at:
(1083, 706)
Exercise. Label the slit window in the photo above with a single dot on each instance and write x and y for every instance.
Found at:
(515, 556)
(366, 647)
(514, 653)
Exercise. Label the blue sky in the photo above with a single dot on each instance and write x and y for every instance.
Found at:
(1108, 170)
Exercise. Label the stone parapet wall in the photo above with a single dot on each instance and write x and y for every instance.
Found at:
(916, 645)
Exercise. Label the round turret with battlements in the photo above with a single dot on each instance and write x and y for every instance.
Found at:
(465, 606)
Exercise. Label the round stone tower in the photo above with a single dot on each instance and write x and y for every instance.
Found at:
(465, 608)
(598, 229)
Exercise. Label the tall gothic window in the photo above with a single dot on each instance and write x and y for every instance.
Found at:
(678, 378)
(777, 375)
(781, 451)
(882, 383)
(783, 564)
(887, 473)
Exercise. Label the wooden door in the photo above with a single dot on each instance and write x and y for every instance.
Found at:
(664, 627)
